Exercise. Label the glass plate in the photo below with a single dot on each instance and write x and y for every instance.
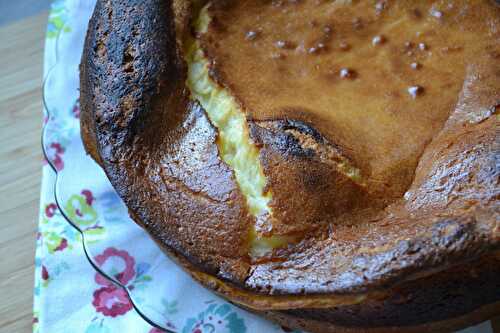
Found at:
(162, 294)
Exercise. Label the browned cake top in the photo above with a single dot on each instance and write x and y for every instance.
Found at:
(376, 78)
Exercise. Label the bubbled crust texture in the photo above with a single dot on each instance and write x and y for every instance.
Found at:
(450, 212)
(158, 150)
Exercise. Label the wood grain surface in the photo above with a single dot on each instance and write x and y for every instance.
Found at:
(21, 55)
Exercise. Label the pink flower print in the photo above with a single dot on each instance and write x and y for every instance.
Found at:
(111, 301)
(155, 330)
(114, 256)
(62, 245)
(45, 273)
(54, 153)
(76, 109)
(89, 198)
(50, 210)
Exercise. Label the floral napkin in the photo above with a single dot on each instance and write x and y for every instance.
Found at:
(70, 293)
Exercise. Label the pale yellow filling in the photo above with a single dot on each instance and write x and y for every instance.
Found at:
(235, 147)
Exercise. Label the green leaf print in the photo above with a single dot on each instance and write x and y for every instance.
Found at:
(216, 318)
(57, 19)
(79, 211)
(170, 307)
(54, 242)
(94, 232)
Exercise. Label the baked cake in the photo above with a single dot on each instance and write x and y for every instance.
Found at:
(331, 165)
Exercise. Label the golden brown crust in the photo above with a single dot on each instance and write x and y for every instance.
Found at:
(159, 151)
(155, 145)
(286, 95)
(292, 157)
(284, 73)
(399, 309)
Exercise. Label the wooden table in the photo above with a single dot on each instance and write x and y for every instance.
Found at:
(21, 55)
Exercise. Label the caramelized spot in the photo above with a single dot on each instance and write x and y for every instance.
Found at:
(415, 91)
(449, 49)
(416, 13)
(415, 65)
(347, 73)
(344, 46)
(380, 6)
(284, 44)
(357, 23)
(277, 55)
(317, 48)
(251, 35)
(436, 13)
(378, 40)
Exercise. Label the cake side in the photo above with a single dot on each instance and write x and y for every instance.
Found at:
(155, 145)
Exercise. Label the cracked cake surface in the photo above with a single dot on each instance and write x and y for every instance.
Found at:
(309, 159)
